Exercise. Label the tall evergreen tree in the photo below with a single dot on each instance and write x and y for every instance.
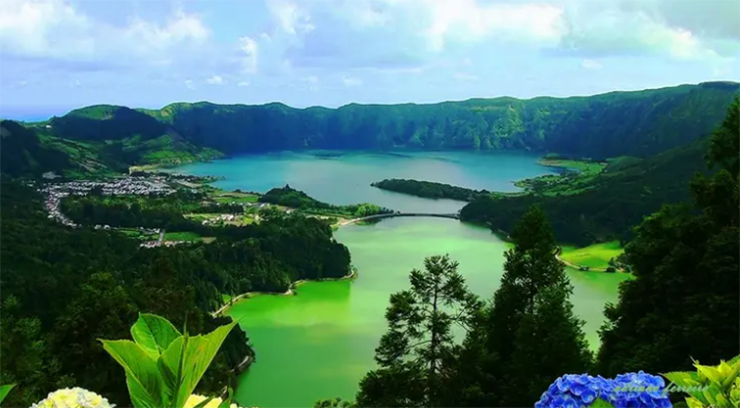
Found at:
(683, 303)
(531, 335)
(412, 353)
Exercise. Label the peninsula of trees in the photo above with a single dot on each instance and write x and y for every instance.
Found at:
(430, 189)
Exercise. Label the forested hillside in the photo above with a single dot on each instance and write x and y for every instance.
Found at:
(610, 205)
(65, 288)
(641, 123)
(23, 155)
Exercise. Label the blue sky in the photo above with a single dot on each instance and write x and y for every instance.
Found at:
(56, 55)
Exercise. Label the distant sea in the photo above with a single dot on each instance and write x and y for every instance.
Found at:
(30, 114)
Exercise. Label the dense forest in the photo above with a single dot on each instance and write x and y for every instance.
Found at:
(609, 205)
(430, 189)
(640, 123)
(64, 288)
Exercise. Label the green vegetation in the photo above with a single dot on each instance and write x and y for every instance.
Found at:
(429, 189)
(162, 365)
(709, 386)
(639, 124)
(514, 346)
(606, 207)
(578, 176)
(23, 155)
(181, 236)
(685, 261)
(593, 256)
(64, 288)
(288, 197)
(134, 211)
(5, 390)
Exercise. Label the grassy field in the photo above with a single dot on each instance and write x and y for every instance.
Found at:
(235, 199)
(594, 256)
(181, 236)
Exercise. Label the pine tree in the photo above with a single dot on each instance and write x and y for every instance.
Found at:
(531, 335)
(411, 355)
(683, 303)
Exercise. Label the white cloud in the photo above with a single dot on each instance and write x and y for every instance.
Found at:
(469, 20)
(243, 83)
(39, 28)
(215, 80)
(189, 84)
(591, 64)
(58, 29)
(465, 77)
(349, 81)
(180, 27)
(251, 54)
(290, 17)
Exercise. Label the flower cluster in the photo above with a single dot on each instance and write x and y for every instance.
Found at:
(640, 389)
(571, 391)
(627, 390)
(195, 399)
(73, 398)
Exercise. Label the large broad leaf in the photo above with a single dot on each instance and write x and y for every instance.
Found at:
(154, 334)
(4, 390)
(169, 365)
(143, 378)
(190, 358)
(683, 378)
(601, 403)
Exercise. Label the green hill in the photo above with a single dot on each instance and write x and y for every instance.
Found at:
(641, 123)
(22, 153)
(610, 205)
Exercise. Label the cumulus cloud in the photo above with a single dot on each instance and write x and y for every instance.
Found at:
(349, 81)
(56, 30)
(591, 64)
(243, 83)
(215, 80)
(290, 16)
(250, 49)
(189, 84)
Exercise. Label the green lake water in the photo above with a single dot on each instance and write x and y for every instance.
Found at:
(319, 343)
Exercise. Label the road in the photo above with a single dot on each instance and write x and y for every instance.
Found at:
(161, 237)
(392, 215)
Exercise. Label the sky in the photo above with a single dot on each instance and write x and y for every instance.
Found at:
(57, 55)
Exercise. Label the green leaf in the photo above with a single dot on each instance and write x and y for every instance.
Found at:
(227, 402)
(601, 403)
(711, 373)
(196, 354)
(734, 360)
(4, 391)
(694, 403)
(153, 333)
(143, 378)
(203, 403)
(682, 378)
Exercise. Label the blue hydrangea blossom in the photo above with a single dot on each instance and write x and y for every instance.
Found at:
(627, 390)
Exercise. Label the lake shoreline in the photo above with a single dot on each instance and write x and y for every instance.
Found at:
(290, 292)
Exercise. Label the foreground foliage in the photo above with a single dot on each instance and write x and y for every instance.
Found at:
(685, 263)
(162, 365)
